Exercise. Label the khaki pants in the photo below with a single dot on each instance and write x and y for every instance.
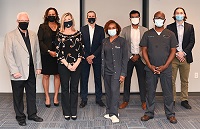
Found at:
(184, 69)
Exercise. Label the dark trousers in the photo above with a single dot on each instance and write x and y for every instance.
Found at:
(84, 80)
(139, 65)
(18, 92)
(69, 89)
(112, 91)
(166, 84)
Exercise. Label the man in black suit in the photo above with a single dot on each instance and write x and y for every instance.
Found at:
(93, 35)
(185, 35)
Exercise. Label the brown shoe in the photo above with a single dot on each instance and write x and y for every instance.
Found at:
(146, 118)
(123, 105)
(144, 106)
(172, 119)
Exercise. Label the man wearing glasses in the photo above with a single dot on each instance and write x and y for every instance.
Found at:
(22, 55)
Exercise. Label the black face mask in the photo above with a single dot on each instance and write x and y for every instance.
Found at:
(51, 18)
(23, 25)
(91, 20)
(68, 24)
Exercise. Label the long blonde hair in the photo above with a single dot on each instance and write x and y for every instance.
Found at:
(62, 28)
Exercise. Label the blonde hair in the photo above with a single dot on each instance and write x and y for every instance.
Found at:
(62, 28)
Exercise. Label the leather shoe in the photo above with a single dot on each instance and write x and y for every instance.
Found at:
(48, 105)
(100, 103)
(144, 106)
(185, 104)
(74, 117)
(56, 104)
(21, 122)
(123, 105)
(35, 118)
(172, 119)
(83, 104)
(67, 117)
(146, 118)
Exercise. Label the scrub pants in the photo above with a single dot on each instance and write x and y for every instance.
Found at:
(112, 90)
(166, 84)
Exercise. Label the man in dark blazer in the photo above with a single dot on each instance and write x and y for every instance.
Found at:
(185, 35)
(93, 35)
(22, 55)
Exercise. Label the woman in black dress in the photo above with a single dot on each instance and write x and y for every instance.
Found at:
(69, 50)
(47, 35)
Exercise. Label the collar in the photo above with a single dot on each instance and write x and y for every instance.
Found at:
(134, 28)
(91, 26)
(179, 24)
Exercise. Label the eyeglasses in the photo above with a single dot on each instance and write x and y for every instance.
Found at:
(23, 20)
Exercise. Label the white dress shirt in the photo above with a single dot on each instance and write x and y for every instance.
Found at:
(180, 31)
(135, 40)
(91, 32)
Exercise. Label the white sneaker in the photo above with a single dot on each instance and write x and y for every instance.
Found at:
(107, 116)
(114, 119)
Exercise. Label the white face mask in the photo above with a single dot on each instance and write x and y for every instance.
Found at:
(159, 22)
(112, 32)
(135, 21)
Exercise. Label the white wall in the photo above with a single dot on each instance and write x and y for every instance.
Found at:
(117, 10)
(36, 9)
(192, 9)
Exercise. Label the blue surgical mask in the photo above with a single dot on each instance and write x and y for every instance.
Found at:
(159, 22)
(112, 32)
(179, 17)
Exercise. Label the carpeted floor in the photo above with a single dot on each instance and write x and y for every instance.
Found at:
(91, 117)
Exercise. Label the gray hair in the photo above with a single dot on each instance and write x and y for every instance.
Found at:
(22, 13)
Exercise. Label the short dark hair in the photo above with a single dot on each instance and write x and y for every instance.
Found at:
(46, 15)
(174, 17)
(111, 22)
(91, 12)
(133, 12)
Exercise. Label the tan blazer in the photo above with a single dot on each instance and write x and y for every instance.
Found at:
(17, 56)
(126, 33)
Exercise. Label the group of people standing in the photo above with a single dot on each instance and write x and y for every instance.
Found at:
(61, 50)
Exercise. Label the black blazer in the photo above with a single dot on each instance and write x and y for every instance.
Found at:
(188, 39)
(96, 46)
(45, 38)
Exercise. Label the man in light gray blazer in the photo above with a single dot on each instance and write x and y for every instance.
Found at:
(133, 34)
(22, 55)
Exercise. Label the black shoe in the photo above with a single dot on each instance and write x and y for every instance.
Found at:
(100, 103)
(185, 104)
(67, 117)
(74, 117)
(56, 104)
(35, 118)
(21, 122)
(83, 104)
(48, 105)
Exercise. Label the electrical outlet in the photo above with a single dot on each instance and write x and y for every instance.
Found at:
(196, 75)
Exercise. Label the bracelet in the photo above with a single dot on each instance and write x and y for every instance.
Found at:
(48, 51)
